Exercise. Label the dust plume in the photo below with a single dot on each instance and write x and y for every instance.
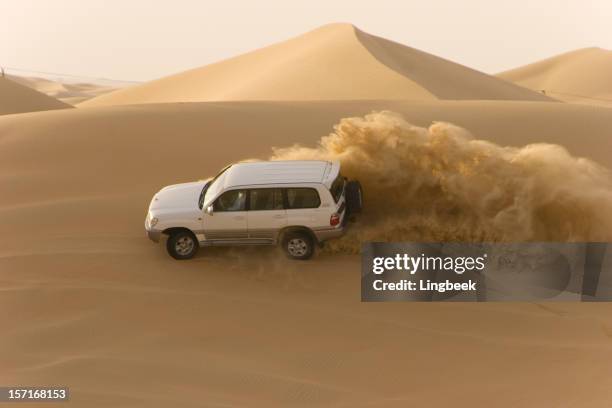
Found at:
(441, 184)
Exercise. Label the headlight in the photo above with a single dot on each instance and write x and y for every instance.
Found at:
(153, 221)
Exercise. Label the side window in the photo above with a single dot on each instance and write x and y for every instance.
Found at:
(233, 200)
(266, 199)
(303, 198)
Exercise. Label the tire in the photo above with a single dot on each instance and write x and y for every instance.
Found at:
(354, 197)
(298, 245)
(182, 245)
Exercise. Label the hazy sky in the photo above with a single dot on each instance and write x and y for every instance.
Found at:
(145, 39)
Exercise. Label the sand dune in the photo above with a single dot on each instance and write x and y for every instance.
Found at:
(50, 160)
(71, 93)
(60, 168)
(16, 98)
(582, 76)
(89, 302)
(334, 62)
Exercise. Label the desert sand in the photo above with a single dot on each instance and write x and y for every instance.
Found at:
(580, 76)
(87, 301)
(16, 98)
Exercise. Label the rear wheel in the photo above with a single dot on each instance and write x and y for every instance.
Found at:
(298, 245)
(182, 245)
(354, 197)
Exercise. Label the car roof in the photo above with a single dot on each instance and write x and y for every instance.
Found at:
(281, 172)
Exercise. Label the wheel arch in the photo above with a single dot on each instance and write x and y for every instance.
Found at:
(174, 230)
(297, 228)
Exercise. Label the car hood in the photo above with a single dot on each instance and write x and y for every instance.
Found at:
(178, 196)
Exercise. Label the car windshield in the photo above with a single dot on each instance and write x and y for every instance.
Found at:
(212, 188)
(203, 194)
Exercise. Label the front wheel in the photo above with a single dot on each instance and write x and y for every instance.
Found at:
(298, 245)
(182, 245)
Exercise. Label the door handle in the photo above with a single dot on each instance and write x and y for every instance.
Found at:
(239, 217)
(279, 216)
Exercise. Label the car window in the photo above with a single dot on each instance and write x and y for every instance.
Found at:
(266, 199)
(302, 198)
(233, 200)
(337, 188)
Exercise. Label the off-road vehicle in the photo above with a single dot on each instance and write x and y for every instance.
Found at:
(297, 204)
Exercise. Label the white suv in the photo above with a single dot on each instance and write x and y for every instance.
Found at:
(298, 204)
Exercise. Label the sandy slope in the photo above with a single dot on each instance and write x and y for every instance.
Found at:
(87, 301)
(334, 62)
(16, 98)
(582, 76)
(71, 93)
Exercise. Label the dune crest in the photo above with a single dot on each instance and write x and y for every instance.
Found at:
(16, 98)
(333, 62)
(440, 184)
(577, 76)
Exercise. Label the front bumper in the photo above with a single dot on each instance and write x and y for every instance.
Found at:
(154, 235)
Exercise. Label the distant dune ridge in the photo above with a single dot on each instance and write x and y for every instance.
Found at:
(16, 98)
(70, 93)
(334, 62)
(583, 75)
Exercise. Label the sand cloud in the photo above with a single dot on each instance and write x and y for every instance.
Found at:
(441, 184)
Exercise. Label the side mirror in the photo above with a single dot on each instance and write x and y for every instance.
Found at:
(209, 210)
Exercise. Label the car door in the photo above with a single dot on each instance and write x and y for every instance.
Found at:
(267, 214)
(304, 207)
(228, 220)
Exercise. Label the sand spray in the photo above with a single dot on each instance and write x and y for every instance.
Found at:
(442, 184)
